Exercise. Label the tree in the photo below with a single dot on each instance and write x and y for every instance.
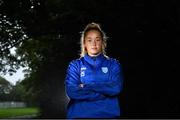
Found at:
(53, 29)
(5, 89)
(11, 35)
(18, 92)
(46, 34)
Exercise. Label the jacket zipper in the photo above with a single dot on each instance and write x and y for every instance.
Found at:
(94, 65)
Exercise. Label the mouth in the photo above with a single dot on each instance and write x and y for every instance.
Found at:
(94, 48)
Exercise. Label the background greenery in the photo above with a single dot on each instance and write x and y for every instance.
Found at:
(142, 36)
(16, 112)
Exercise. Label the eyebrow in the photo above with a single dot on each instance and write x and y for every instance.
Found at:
(90, 37)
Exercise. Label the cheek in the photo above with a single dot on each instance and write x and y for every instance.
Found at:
(99, 44)
(86, 46)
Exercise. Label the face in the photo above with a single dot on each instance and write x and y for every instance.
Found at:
(93, 42)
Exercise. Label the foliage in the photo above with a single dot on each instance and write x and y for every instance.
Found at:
(5, 89)
(50, 39)
(3, 81)
(11, 34)
(46, 36)
(9, 92)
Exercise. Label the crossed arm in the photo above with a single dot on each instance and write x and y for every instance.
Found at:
(94, 91)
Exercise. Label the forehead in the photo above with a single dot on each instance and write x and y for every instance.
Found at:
(93, 32)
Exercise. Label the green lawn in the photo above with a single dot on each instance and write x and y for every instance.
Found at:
(13, 112)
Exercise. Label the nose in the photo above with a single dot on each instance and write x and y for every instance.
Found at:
(94, 42)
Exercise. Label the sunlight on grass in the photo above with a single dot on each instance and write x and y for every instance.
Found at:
(13, 112)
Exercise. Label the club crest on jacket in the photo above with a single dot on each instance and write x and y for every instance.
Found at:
(104, 69)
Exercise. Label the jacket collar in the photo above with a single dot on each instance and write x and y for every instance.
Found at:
(97, 60)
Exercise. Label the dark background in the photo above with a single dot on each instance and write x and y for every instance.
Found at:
(143, 36)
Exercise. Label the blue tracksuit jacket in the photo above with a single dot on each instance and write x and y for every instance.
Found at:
(102, 79)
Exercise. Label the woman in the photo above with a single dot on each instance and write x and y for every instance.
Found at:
(94, 81)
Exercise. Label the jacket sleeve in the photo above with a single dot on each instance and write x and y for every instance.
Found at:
(115, 84)
(72, 83)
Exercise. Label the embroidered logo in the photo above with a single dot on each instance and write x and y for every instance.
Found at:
(83, 71)
(104, 69)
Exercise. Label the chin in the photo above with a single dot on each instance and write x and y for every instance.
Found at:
(94, 54)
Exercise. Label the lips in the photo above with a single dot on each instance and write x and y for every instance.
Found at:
(93, 48)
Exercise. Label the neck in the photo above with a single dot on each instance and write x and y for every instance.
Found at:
(94, 55)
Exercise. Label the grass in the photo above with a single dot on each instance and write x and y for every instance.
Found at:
(14, 112)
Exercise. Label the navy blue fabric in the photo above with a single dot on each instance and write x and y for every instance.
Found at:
(102, 78)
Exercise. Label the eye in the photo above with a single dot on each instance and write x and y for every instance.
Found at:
(98, 39)
(89, 40)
